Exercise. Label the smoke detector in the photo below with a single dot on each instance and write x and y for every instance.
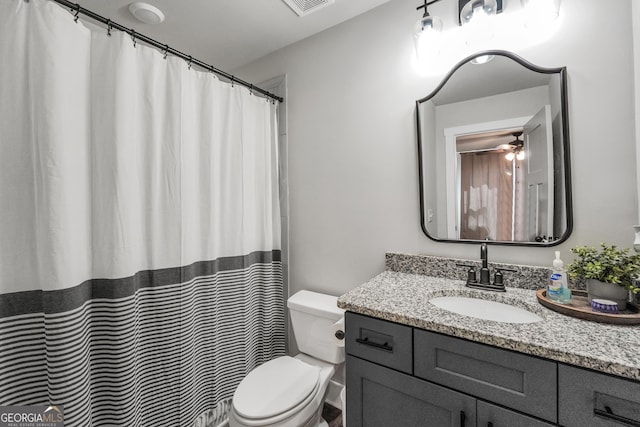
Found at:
(146, 13)
(305, 7)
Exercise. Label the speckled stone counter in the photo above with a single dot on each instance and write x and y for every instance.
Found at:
(404, 298)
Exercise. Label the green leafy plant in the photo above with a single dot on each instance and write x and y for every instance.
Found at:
(607, 264)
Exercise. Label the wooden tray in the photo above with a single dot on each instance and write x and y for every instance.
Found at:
(581, 309)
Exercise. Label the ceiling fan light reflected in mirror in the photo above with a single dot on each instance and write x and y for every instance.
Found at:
(517, 148)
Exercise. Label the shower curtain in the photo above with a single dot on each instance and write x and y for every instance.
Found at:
(140, 273)
(486, 204)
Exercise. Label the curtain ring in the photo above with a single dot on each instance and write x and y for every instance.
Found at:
(75, 15)
(232, 81)
(166, 50)
(189, 63)
(250, 89)
(133, 37)
(109, 27)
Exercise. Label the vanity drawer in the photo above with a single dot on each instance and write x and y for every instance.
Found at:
(586, 395)
(386, 343)
(521, 382)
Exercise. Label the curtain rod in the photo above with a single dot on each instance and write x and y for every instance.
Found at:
(77, 9)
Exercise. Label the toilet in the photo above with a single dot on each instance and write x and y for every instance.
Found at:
(290, 391)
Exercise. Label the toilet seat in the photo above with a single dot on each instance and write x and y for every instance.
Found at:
(276, 390)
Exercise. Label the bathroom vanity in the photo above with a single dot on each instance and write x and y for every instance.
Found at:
(410, 363)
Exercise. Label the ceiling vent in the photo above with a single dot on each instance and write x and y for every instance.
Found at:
(305, 7)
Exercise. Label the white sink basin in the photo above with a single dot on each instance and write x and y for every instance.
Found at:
(487, 310)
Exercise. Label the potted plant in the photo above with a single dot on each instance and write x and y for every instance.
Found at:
(610, 272)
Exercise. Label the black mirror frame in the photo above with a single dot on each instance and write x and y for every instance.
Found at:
(562, 71)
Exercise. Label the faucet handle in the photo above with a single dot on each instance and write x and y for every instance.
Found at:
(471, 273)
(498, 277)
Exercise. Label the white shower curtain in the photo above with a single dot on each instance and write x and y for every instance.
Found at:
(140, 274)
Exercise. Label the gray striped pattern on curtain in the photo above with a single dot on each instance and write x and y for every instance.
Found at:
(147, 350)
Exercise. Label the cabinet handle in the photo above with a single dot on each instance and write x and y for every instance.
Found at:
(365, 341)
(463, 418)
(608, 413)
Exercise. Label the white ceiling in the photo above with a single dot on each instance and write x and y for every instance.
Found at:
(230, 33)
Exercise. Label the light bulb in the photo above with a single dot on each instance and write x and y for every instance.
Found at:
(510, 156)
(478, 10)
(427, 36)
(476, 18)
(520, 155)
(541, 12)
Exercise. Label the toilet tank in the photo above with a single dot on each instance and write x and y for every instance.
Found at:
(312, 318)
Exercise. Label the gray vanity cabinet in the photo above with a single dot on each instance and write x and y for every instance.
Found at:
(514, 380)
(383, 397)
(403, 376)
(588, 398)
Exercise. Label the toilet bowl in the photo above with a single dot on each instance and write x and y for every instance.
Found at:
(284, 392)
(290, 391)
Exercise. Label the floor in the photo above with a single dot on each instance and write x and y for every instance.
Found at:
(218, 418)
(332, 415)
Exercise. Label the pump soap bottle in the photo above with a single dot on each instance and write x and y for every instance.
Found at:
(558, 289)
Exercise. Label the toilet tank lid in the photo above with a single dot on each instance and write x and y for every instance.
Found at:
(316, 303)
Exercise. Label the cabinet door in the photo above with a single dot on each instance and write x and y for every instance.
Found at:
(510, 379)
(381, 397)
(494, 416)
(588, 398)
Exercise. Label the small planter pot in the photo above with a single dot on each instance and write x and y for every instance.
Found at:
(612, 292)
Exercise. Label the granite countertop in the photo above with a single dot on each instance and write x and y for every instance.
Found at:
(404, 298)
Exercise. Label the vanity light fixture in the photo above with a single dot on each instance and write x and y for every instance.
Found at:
(478, 18)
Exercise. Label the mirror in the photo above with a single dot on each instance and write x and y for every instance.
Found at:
(493, 147)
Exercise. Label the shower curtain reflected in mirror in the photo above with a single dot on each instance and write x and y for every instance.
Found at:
(140, 274)
(491, 196)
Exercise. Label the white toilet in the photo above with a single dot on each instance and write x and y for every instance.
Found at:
(289, 391)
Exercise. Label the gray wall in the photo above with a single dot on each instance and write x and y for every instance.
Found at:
(353, 187)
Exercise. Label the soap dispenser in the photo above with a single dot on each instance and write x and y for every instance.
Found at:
(558, 289)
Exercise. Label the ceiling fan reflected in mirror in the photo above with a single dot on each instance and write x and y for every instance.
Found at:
(516, 146)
